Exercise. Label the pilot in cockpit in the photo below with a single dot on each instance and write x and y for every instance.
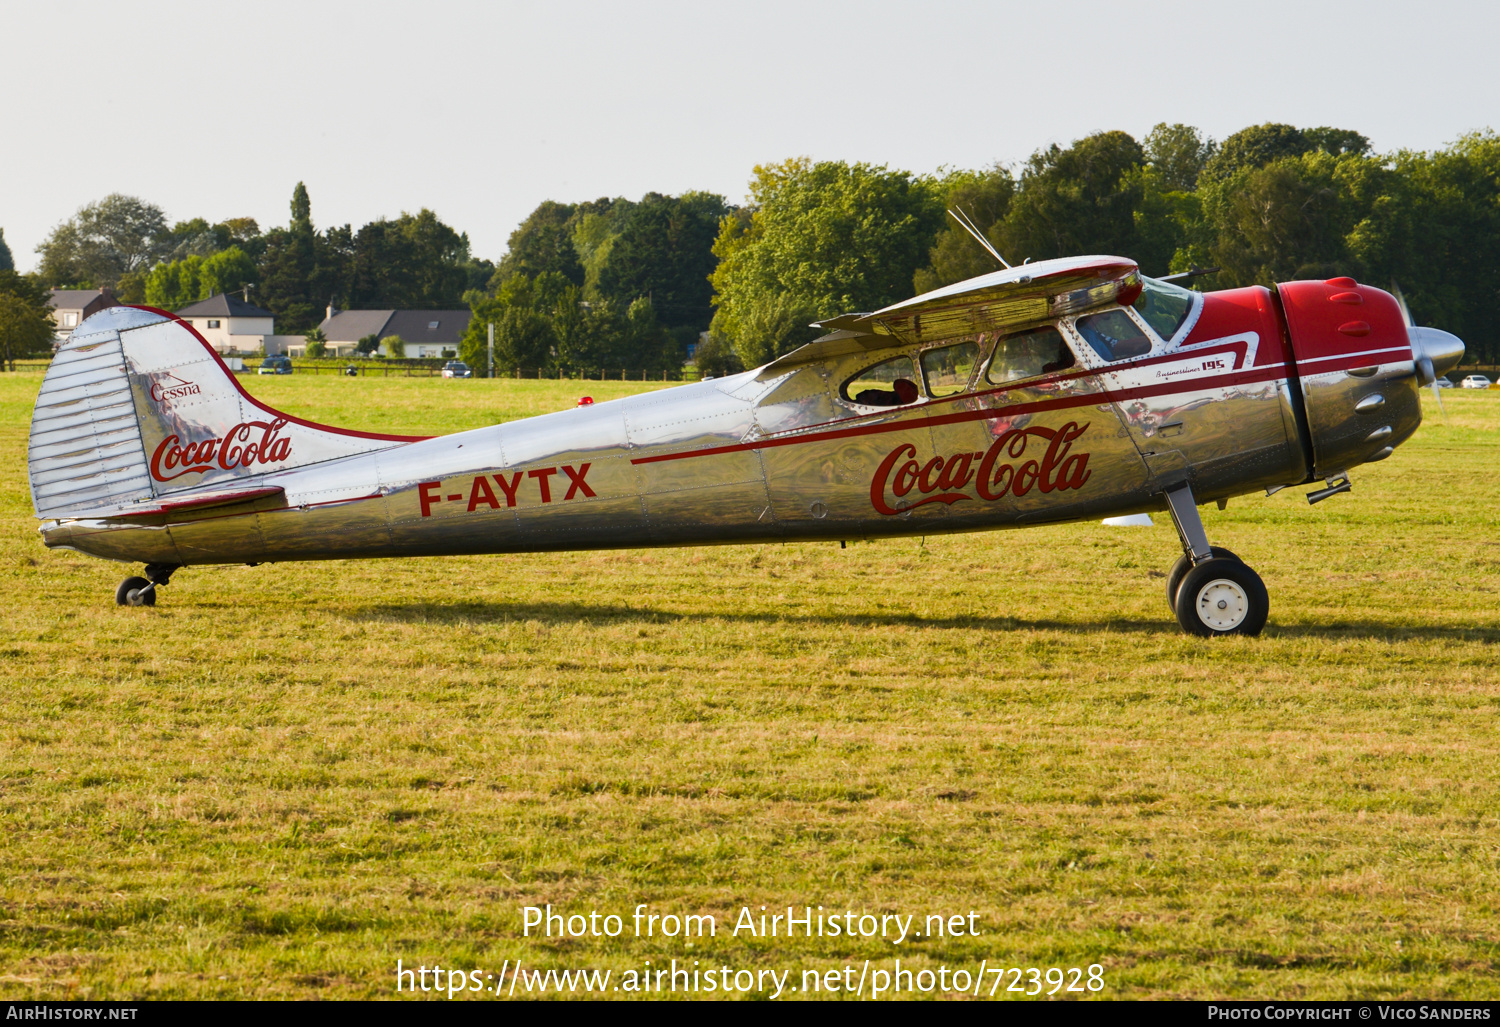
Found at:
(889, 384)
(901, 392)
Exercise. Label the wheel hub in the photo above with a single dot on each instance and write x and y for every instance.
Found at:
(1222, 604)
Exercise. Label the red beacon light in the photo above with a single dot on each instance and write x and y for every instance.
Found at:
(585, 401)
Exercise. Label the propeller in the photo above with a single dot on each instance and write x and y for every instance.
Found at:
(1426, 373)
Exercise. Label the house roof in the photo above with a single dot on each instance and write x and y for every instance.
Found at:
(441, 326)
(432, 326)
(73, 299)
(353, 325)
(223, 305)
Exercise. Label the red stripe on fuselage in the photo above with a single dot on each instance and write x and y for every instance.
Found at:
(1253, 376)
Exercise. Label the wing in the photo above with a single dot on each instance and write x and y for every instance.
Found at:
(1004, 299)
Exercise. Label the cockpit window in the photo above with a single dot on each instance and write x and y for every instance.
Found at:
(890, 384)
(949, 368)
(1028, 354)
(1164, 306)
(1114, 335)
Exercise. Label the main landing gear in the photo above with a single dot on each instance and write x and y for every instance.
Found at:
(134, 591)
(1211, 590)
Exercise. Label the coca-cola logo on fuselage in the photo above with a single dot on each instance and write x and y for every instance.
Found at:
(240, 448)
(997, 471)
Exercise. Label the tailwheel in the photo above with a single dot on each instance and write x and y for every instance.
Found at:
(1182, 566)
(135, 591)
(1222, 596)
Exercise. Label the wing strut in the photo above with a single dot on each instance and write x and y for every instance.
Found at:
(968, 226)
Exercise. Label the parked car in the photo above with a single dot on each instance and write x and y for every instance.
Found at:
(1443, 383)
(457, 369)
(1475, 381)
(275, 365)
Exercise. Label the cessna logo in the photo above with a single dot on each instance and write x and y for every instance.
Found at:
(175, 388)
(239, 447)
(993, 473)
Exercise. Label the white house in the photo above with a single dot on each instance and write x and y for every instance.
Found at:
(230, 324)
(71, 306)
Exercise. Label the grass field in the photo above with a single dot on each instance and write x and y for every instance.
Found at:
(282, 779)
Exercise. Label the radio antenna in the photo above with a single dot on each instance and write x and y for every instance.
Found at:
(968, 226)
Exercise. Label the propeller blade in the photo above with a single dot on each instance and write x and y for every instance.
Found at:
(1401, 302)
(1437, 394)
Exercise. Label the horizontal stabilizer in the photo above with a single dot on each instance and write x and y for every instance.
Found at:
(182, 504)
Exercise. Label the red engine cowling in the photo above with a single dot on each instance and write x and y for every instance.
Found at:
(1354, 359)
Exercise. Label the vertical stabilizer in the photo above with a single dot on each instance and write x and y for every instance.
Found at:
(136, 405)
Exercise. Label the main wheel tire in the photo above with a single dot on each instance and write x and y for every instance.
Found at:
(1222, 597)
(1182, 566)
(129, 593)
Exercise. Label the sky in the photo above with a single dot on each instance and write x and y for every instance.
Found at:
(480, 111)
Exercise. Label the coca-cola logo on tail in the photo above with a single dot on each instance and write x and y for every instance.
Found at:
(993, 473)
(239, 447)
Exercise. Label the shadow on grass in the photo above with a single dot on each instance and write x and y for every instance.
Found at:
(602, 614)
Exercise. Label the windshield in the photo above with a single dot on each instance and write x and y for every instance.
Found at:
(1164, 306)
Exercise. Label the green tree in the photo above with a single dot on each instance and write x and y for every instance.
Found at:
(542, 243)
(663, 249)
(292, 276)
(1288, 219)
(820, 239)
(521, 312)
(1177, 154)
(7, 262)
(1435, 230)
(1076, 201)
(30, 288)
(716, 357)
(596, 226)
(1337, 141)
(174, 284)
(367, 344)
(226, 271)
(1260, 145)
(1255, 147)
(985, 197)
(26, 329)
(394, 346)
(317, 343)
(103, 242)
(413, 262)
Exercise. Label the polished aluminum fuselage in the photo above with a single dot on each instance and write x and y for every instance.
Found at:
(778, 454)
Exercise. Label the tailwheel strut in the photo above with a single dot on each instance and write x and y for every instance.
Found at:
(1212, 591)
(137, 591)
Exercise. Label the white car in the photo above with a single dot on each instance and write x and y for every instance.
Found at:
(1475, 381)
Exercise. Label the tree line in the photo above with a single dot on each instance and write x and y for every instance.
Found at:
(631, 284)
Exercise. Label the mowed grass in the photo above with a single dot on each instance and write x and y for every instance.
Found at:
(284, 778)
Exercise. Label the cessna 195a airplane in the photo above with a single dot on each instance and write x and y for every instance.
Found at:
(1057, 391)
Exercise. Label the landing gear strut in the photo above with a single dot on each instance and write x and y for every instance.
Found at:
(1211, 590)
(134, 591)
